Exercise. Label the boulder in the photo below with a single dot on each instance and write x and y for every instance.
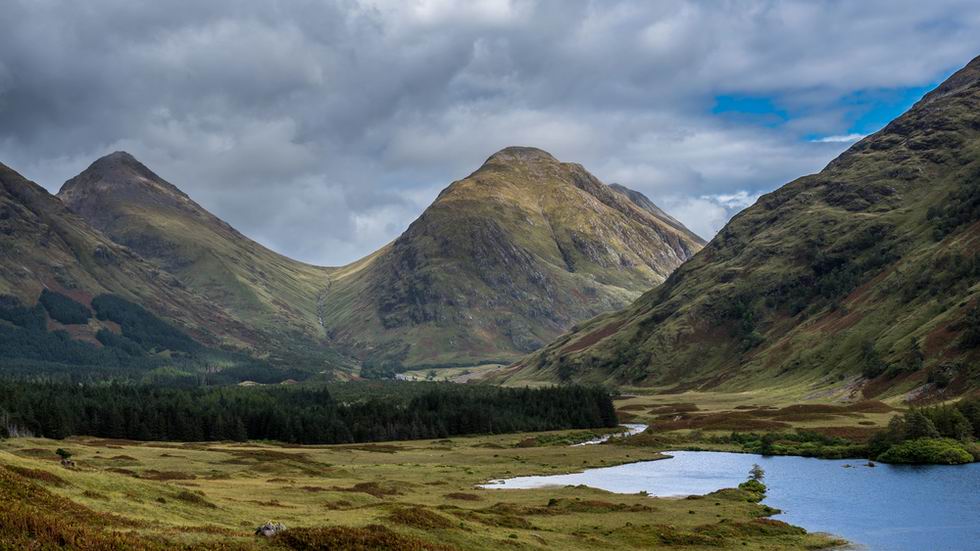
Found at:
(270, 529)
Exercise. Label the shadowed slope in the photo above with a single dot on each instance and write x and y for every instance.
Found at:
(45, 245)
(868, 268)
(265, 290)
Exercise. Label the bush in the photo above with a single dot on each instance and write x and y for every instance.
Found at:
(756, 489)
(939, 451)
(64, 309)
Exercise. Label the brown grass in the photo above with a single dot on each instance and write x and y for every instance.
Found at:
(343, 538)
(594, 337)
(33, 518)
(854, 434)
(462, 496)
(194, 499)
(370, 488)
(419, 517)
(38, 474)
(162, 476)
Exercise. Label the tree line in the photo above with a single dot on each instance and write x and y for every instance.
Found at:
(295, 415)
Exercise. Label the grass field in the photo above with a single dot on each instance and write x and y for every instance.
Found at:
(397, 495)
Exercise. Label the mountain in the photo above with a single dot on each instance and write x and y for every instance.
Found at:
(862, 277)
(45, 246)
(502, 262)
(274, 295)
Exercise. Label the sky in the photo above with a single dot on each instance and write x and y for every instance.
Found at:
(323, 128)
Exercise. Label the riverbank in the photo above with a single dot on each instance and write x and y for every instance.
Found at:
(862, 429)
(899, 508)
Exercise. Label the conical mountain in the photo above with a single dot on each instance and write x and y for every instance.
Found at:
(275, 295)
(44, 246)
(502, 262)
(863, 277)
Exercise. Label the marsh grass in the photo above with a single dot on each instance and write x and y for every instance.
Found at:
(424, 495)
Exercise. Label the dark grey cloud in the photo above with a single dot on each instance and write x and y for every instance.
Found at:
(322, 128)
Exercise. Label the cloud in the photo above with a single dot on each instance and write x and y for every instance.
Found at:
(323, 128)
(840, 138)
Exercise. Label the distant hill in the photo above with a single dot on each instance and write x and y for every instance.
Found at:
(46, 246)
(73, 303)
(273, 295)
(864, 277)
(503, 261)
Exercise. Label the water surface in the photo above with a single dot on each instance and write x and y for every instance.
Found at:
(884, 508)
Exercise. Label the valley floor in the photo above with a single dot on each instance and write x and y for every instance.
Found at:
(395, 495)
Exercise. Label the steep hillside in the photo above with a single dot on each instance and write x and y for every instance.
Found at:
(44, 246)
(502, 262)
(272, 294)
(862, 276)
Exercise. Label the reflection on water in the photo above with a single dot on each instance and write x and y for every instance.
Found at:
(888, 507)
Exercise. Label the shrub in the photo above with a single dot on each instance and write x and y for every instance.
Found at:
(939, 451)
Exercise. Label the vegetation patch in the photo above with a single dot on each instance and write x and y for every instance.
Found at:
(462, 496)
(419, 517)
(194, 499)
(944, 434)
(162, 476)
(938, 451)
(38, 474)
(34, 518)
(344, 538)
(371, 488)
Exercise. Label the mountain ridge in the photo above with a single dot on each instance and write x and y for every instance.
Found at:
(533, 228)
(862, 276)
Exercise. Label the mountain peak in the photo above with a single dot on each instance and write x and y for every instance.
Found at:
(964, 78)
(521, 154)
(121, 174)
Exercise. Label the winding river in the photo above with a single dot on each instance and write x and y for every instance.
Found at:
(887, 507)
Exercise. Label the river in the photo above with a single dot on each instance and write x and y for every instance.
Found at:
(882, 508)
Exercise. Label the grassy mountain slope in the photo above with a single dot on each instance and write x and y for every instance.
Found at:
(864, 275)
(45, 246)
(502, 262)
(274, 295)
